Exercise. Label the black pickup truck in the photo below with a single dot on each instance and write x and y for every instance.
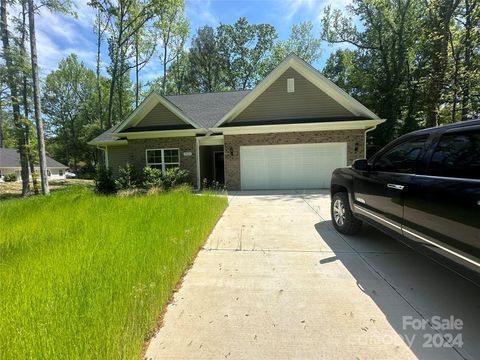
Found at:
(423, 188)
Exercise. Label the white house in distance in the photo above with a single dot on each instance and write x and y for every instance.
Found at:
(10, 163)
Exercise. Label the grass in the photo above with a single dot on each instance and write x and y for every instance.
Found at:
(86, 277)
(12, 190)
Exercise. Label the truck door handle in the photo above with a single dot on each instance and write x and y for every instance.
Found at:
(395, 186)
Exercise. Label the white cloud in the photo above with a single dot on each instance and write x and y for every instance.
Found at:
(200, 13)
(61, 35)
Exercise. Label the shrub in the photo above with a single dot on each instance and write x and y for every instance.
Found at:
(127, 178)
(151, 178)
(104, 183)
(175, 177)
(10, 177)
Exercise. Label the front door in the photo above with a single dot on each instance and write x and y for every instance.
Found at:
(218, 167)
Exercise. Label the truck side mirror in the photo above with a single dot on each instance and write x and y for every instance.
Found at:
(360, 165)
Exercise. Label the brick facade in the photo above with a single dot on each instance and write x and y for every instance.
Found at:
(137, 147)
(355, 140)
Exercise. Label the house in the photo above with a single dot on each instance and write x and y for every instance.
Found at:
(289, 132)
(10, 163)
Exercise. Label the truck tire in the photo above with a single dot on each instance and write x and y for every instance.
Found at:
(342, 216)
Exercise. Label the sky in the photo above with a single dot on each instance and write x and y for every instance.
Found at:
(59, 35)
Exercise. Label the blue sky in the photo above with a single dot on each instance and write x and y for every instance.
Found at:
(59, 36)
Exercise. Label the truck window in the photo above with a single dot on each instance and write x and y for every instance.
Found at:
(401, 158)
(457, 155)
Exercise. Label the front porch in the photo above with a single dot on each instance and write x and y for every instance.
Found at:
(210, 161)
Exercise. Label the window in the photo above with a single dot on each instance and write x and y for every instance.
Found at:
(49, 173)
(457, 155)
(163, 159)
(60, 172)
(401, 158)
(291, 85)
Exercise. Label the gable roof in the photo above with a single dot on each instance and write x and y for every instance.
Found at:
(203, 109)
(147, 105)
(211, 110)
(10, 158)
(310, 73)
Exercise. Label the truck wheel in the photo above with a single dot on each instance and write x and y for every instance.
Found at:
(342, 216)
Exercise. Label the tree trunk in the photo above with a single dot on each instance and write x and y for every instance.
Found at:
(19, 131)
(164, 80)
(137, 70)
(467, 61)
(99, 59)
(1, 124)
(36, 100)
(25, 100)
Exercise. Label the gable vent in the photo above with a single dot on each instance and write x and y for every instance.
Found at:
(291, 85)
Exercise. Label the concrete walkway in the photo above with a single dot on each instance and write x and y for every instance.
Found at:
(275, 281)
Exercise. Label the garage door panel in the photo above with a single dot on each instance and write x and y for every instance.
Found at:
(299, 166)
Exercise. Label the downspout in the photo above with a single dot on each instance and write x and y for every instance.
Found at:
(365, 141)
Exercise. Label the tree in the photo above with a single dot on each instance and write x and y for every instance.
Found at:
(69, 96)
(173, 30)
(387, 43)
(37, 101)
(243, 48)
(206, 63)
(180, 75)
(12, 81)
(301, 42)
(127, 17)
(102, 21)
(439, 14)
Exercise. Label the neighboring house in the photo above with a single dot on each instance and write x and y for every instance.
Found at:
(10, 163)
(289, 132)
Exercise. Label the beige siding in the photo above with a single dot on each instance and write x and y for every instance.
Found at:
(306, 102)
(160, 116)
(118, 156)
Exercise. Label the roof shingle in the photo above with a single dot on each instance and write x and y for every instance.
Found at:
(10, 158)
(204, 109)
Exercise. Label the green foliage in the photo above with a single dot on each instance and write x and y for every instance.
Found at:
(206, 64)
(104, 182)
(174, 177)
(244, 47)
(11, 177)
(151, 178)
(69, 104)
(127, 178)
(97, 271)
(302, 42)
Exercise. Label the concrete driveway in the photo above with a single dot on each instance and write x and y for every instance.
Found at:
(275, 281)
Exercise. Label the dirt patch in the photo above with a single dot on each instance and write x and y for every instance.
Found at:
(11, 190)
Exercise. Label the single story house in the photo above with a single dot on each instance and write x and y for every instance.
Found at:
(289, 132)
(10, 163)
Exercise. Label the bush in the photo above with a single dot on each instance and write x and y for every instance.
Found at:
(104, 183)
(127, 178)
(10, 177)
(151, 178)
(175, 177)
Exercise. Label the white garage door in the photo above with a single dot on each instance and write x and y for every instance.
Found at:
(299, 166)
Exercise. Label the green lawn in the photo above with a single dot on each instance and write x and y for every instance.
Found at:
(86, 277)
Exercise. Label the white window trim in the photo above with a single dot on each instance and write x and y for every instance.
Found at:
(163, 163)
(290, 85)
